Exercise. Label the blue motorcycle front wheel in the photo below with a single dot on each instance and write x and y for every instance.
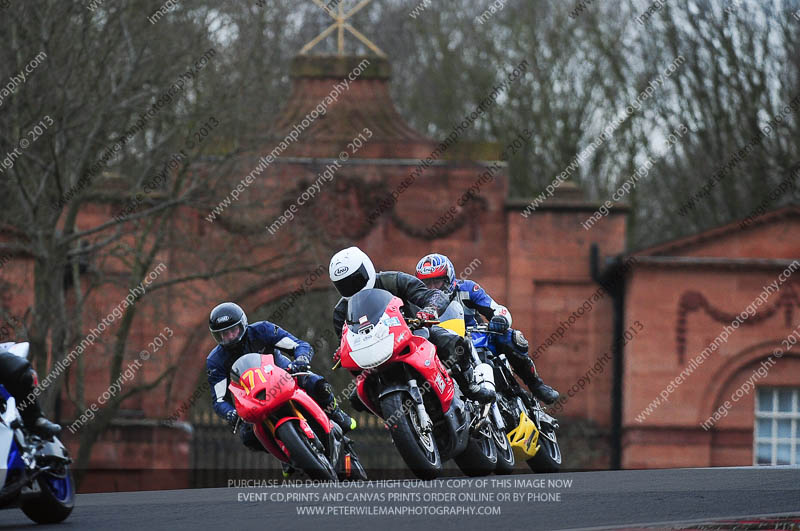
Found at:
(56, 501)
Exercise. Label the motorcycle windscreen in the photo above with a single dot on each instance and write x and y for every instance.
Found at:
(367, 307)
(248, 361)
(453, 318)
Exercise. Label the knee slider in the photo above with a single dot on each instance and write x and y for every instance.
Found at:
(323, 391)
(461, 346)
(519, 340)
(355, 402)
(519, 344)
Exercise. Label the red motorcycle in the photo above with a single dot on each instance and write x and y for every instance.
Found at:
(288, 422)
(401, 379)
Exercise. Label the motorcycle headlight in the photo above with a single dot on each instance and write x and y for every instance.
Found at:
(372, 353)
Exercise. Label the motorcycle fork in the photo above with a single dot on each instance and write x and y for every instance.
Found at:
(476, 360)
(331, 449)
(491, 409)
(426, 424)
(498, 418)
(480, 423)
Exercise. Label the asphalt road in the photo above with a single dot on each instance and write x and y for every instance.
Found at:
(638, 498)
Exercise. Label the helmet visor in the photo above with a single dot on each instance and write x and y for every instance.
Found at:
(352, 283)
(229, 336)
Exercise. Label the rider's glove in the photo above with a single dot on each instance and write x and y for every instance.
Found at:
(337, 355)
(300, 364)
(498, 324)
(232, 417)
(427, 314)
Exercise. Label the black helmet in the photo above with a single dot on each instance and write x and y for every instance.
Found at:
(223, 318)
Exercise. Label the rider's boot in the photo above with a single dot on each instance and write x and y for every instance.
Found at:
(523, 365)
(465, 377)
(345, 421)
(45, 429)
(540, 390)
(36, 422)
(287, 470)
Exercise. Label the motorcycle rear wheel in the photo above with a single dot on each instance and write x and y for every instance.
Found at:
(417, 449)
(479, 458)
(303, 453)
(548, 458)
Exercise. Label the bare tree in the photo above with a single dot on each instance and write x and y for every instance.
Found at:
(740, 73)
(122, 147)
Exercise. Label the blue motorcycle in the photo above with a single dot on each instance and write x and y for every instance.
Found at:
(36, 476)
(530, 431)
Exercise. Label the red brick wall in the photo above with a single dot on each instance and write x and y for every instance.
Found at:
(550, 278)
(685, 306)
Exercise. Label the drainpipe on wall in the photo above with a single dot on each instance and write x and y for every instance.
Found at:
(611, 280)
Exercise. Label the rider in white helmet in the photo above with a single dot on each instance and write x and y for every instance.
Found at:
(351, 271)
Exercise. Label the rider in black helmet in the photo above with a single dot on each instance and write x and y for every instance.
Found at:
(234, 337)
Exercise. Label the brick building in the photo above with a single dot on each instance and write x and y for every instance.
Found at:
(610, 329)
(721, 316)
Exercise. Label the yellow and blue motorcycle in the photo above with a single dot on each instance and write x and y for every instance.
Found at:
(530, 430)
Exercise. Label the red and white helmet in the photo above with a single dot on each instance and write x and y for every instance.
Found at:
(437, 272)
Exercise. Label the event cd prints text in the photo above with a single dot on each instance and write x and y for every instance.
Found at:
(399, 497)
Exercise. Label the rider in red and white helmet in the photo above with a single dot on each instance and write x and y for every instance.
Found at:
(437, 271)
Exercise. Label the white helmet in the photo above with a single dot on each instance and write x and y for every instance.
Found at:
(351, 270)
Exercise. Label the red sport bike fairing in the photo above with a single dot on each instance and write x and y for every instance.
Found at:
(288, 422)
(401, 379)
